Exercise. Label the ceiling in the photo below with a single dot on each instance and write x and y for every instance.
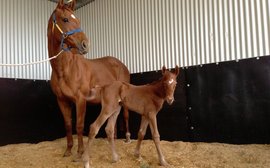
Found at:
(79, 3)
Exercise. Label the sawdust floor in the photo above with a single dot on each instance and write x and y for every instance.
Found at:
(178, 154)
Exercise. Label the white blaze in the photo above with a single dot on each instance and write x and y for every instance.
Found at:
(171, 81)
(73, 16)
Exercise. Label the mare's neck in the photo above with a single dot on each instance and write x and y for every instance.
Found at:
(54, 48)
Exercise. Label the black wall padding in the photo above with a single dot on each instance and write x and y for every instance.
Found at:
(230, 102)
(28, 112)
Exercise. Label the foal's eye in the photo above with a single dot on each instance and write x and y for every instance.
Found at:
(65, 20)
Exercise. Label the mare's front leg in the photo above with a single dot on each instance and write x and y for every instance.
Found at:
(65, 108)
(110, 132)
(80, 111)
(141, 134)
(156, 138)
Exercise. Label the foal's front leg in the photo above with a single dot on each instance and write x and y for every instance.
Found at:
(156, 138)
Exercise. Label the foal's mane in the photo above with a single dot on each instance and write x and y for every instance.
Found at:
(156, 81)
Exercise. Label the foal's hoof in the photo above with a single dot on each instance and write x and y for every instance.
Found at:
(86, 164)
(164, 163)
(137, 154)
(127, 138)
(115, 158)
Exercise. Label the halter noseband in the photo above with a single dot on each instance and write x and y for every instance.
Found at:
(64, 34)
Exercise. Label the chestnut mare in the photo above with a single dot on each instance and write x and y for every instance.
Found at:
(147, 100)
(72, 75)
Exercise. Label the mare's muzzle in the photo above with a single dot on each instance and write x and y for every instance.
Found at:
(84, 47)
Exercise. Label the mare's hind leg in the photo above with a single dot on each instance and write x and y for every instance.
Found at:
(126, 117)
(141, 134)
(65, 108)
(110, 133)
(156, 138)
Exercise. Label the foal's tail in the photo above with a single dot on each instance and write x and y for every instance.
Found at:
(123, 75)
(121, 93)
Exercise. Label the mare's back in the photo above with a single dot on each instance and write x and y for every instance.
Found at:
(107, 69)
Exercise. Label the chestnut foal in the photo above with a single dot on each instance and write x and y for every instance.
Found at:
(146, 100)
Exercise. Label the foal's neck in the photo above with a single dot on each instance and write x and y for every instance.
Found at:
(159, 89)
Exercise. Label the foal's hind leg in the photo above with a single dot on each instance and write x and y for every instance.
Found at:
(65, 108)
(141, 134)
(94, 128)
(110, 133)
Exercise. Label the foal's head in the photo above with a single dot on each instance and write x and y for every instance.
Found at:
(169, 80)
(64, 28)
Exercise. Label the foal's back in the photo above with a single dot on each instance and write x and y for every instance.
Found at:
(136, 98)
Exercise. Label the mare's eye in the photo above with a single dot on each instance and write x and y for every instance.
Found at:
(65, 20)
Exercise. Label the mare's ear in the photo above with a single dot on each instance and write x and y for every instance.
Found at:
(163, 69)
(176, 71)
(71, 4)
(60, 3)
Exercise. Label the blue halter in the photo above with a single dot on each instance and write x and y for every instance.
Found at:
(65, 34)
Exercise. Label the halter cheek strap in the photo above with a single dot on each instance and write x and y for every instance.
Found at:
(64, 34)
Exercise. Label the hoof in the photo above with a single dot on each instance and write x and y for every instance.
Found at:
(127, 138)
(164, 163)
(78, 158)
(67, 153)
(80, 151)
(137, 154)
(86, 165)
(115, 158)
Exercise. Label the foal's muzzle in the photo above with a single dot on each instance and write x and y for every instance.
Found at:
(170, 100)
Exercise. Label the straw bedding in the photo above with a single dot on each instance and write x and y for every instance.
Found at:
(178, 154)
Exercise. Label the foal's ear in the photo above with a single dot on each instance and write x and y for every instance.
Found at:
(60, 3)
(163, 69)
(176, 71)
(71, 4)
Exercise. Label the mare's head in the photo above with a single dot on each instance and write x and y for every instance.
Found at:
(64, 29)
(169, 80)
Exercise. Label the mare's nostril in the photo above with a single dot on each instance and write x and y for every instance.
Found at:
(84, 45)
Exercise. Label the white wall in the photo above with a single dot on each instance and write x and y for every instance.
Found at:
(23, 37)
(146, 34)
